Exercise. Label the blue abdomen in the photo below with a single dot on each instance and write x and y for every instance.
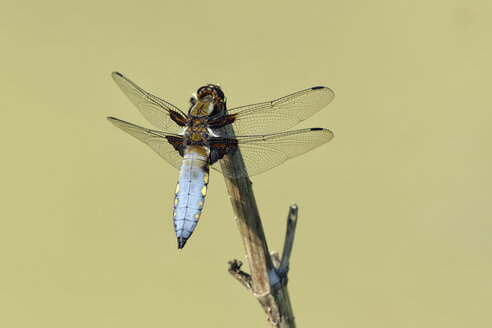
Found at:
(190, 193)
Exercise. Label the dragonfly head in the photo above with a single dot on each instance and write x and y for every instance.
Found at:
(210, 97)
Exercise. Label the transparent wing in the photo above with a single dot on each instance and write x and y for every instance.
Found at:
(281, 114)
(157, 140)
(264, 152)
(158, 112)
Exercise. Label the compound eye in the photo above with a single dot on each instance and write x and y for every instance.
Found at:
(219, 94)
(203, 91)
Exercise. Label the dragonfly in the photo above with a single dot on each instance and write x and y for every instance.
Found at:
(202, 138)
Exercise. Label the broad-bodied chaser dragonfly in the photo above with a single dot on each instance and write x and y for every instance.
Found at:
(197, 141)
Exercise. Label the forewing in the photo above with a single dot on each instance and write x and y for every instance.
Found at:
(281, 114)
(157, 140)
(264, 152)
(158, 112)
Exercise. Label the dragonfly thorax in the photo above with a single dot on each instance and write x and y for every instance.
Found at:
(202, 108)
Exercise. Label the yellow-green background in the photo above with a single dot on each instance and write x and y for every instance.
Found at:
(395, 213)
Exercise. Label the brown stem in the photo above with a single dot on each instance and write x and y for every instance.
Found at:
(265, 282)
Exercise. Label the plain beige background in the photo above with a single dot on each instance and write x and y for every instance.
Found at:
(395, 212)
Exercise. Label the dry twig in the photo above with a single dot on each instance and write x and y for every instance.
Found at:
(267, 281)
